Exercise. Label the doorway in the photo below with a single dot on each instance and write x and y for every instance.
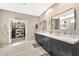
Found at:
(17, 31)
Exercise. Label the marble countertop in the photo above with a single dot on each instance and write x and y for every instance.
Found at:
(67, 39)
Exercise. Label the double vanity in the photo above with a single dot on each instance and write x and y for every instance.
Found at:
(57, 45)
(55, 35)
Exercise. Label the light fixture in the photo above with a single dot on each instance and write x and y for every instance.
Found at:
(72, 21)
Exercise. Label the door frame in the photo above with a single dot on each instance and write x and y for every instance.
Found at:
(25, 22)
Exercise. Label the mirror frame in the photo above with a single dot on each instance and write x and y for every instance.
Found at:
(62, 13)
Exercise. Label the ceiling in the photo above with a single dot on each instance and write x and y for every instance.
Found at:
(35, 9)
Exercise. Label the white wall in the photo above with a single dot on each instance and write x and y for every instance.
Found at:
(5, 17)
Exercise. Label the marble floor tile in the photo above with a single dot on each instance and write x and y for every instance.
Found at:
(24, 48)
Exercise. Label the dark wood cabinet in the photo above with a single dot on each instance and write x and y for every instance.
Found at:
(61, 48)
(47, 44)
(44, 41)
(56, 47)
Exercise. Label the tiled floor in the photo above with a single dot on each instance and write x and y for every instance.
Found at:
(24, 48)
(14, 40)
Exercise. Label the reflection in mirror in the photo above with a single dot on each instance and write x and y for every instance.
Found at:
(64, 21)
(56, 24)
(17, 31)
(43, 25)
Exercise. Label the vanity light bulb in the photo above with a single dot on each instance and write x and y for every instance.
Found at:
(72, 21)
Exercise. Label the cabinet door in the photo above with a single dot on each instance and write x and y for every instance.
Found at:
(38, 38)
(64, 48)
(61, 48)
(54, 48)
(48, 45)
(44, 42)
(41, 40)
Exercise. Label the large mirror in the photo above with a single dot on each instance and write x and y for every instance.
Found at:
(64, 20)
